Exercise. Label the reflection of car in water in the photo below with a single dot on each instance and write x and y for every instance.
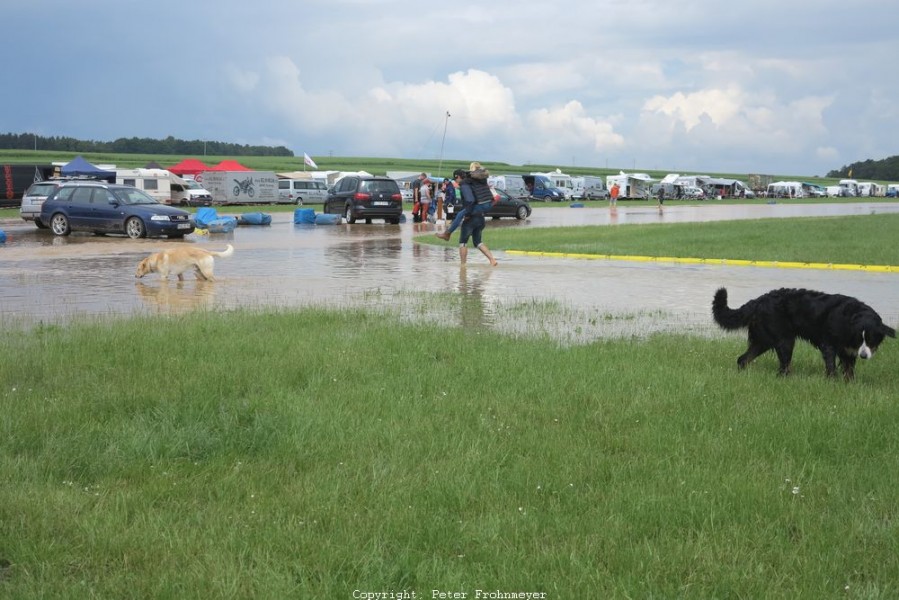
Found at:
(506, 205)
(245, 186)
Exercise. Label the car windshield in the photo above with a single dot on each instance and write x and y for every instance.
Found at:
(193, 184)
(133, 196)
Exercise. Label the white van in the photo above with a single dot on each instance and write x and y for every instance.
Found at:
(302, 191)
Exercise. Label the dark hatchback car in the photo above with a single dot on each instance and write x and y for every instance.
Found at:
(359, 197)
(104, 208)
(505, 206)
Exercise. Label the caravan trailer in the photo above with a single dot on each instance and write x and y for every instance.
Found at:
(165, 187)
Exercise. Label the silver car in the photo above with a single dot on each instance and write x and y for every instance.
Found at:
(34, 198)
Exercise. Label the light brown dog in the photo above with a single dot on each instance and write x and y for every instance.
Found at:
(176, 261)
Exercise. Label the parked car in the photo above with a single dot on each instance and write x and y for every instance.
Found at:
(104, 208)
(696, 193)
(506, 205)
(509, 206)
(302, 191)
(365, 197)
(34, 198)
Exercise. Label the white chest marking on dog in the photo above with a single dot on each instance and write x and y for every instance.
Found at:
(863, 350)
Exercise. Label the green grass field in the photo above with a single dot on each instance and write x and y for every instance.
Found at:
(309, 454)
(327, 454)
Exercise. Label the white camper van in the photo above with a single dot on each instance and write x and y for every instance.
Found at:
(511, 184)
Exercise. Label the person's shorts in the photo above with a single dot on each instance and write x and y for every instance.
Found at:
(472, 227)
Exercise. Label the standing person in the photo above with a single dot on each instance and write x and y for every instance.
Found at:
(661, 197)
(416, 198)
(441, 197)
(476, 199)
(613, 194)
(478, 174)
(424, 198)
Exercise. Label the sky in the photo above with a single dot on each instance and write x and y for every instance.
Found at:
(797, 87)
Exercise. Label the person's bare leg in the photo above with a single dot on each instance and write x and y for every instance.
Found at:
(463, 254)
(486, 252)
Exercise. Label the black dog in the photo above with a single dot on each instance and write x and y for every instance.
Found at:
(837, 325)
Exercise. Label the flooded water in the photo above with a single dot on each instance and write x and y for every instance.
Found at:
(44, 278)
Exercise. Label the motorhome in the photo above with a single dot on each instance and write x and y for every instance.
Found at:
(848, 188)
(561, 180)
(511, 184)
(589, 186)
(634, 186)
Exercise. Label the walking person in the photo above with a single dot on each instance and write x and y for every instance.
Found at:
(476, 199)
(475, 172)
(613, 194)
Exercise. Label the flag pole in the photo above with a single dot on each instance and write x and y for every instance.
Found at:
(440, 163)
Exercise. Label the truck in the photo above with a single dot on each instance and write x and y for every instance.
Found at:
(241, 187)
(539, 187)
(15, 179)
(165, 186)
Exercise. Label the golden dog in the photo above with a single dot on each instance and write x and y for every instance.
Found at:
(178, 260)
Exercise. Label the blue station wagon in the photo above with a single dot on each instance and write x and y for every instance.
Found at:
(103, 208)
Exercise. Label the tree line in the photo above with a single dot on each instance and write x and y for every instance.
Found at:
(135, 145)
(886, 169)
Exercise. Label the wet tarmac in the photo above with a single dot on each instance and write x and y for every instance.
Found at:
(48, 279)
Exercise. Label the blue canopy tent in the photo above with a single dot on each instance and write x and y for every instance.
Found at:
(78, 167)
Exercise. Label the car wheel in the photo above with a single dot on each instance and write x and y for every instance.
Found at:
(522, 213)
(40, 224)
(349, 215)
(135, 229)
(59, 224)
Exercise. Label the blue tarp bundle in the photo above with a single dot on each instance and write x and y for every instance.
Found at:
(204, 216)
(255, 219)
(2, 237)
(222, 225)
(327, 219)
(304, 216)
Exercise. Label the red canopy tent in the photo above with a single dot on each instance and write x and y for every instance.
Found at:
(229, 165)
(189, 166)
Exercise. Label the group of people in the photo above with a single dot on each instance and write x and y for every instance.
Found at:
(470, 188)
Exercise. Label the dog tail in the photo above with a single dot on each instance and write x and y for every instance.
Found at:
(727, 318)
(224, 253)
